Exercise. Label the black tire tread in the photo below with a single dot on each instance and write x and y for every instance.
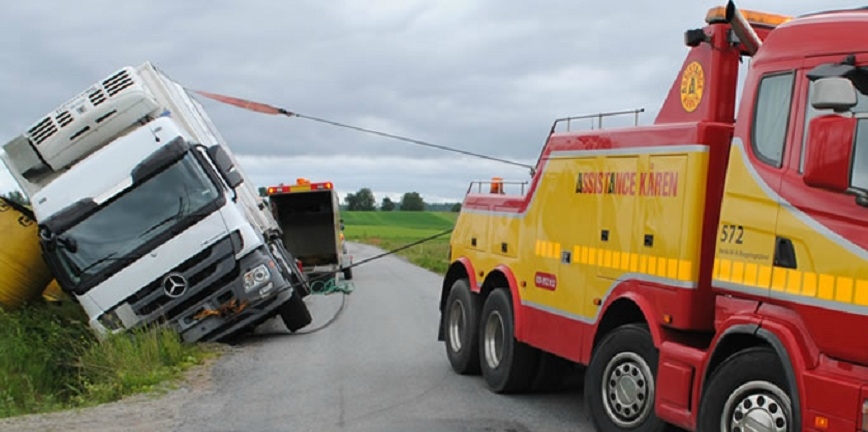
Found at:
(294, 313)
(520, 362)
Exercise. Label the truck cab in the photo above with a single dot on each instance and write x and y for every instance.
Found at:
(309, 217)
(146, 218)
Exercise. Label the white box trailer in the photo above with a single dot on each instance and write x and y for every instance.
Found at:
(146, 217)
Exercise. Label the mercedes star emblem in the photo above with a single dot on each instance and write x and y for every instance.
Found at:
(174, 284)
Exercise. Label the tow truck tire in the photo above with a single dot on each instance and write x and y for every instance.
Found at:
(748, 387)
(508, 365)
(461, 328)
(348, 274)
(620, 382)
(294, 313)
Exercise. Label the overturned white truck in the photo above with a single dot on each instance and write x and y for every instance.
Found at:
(146, 217)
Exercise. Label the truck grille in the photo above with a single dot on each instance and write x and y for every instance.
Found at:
(214, 265)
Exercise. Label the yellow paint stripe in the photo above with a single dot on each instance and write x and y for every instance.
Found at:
(844, 290)
(779, 278)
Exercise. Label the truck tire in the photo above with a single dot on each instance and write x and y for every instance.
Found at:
(348, 274)
(620, 382)
(461, 328)
(508, 365)
(749, 386)
(294, 313)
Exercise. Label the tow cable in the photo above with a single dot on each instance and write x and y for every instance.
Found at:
(345, 287)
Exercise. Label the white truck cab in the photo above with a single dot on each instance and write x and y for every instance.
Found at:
(146, 218)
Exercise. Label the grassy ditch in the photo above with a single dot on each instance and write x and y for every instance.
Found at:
(390, 230)
(50, 360)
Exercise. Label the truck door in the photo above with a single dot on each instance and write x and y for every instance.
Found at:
(821, 247)
(744, 257)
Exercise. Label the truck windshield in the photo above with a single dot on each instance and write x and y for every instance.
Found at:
(136, 221)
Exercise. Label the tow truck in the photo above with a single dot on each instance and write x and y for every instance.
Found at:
(309, 217)
(710, 270)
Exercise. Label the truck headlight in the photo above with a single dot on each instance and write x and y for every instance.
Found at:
(256, 278)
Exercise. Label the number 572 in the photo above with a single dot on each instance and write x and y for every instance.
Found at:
(731, 234)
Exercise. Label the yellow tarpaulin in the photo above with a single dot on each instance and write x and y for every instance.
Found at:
(23, 273)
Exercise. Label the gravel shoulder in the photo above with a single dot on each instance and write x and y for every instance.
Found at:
(158, 410)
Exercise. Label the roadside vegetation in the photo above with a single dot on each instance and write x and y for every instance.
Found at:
(50, 360)
(390, 230)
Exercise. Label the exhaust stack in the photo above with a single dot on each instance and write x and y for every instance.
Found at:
(742, 29)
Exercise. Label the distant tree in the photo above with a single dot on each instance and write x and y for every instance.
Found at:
(17, 197)
(456, 208)
(412, 201)
(387, 204)
(363, 200)
(263, 191)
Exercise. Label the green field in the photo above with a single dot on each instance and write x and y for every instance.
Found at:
(390, 230)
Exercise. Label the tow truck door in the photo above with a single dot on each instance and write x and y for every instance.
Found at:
(821, 257)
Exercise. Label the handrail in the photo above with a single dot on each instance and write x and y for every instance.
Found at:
(599, 117)
(500, 183)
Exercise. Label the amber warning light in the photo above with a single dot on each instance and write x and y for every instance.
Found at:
(301, 185)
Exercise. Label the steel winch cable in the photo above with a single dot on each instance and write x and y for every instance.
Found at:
(332, 286)
(272, 110)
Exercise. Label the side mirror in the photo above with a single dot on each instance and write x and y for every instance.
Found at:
(837, 94)
(829, 152)
(225, 165)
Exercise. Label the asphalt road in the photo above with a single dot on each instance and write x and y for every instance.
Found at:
(377, 367)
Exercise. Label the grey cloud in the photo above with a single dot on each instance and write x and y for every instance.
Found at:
(487, 76)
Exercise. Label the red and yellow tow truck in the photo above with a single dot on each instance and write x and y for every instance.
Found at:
(710, 269)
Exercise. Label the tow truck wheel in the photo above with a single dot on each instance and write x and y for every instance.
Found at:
(461, 327)
(620, 381)
(294, 313)
(508, 365)
(748, 391)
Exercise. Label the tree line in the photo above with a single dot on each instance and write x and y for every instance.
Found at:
(363, 200)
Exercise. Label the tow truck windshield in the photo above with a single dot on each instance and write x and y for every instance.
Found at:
(136, 221)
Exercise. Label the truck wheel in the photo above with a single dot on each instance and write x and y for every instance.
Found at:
(348, 274)
(294, 313)
(461, 327)
(508, 365)
(748, 388)
(620, 381)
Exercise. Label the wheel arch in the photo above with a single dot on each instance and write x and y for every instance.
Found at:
(619, 310)
(740, 337)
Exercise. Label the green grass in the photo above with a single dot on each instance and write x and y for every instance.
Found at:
(390, 230)
(50, 360)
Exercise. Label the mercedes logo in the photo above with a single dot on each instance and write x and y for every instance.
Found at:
(175, 285)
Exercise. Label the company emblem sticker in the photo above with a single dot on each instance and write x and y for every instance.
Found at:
(692, 84)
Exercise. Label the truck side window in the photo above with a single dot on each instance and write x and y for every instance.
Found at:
(771, 117)
(859, 175)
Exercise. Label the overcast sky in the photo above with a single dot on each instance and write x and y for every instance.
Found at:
(486, 76)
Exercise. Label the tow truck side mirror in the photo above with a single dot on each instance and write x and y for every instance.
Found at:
(829, 152)
(837, 94)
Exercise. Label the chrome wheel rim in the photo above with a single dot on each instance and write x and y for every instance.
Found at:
(628, 389)
(493, 341)
(457, 323)
(756, 406)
